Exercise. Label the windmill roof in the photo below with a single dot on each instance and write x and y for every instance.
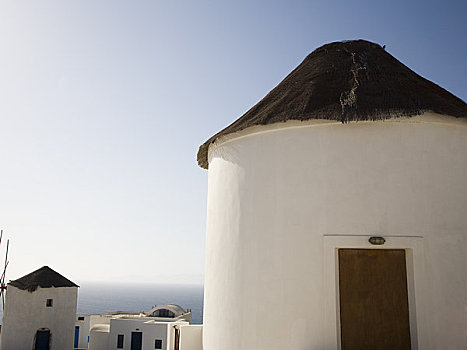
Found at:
(346, 81)
(44, 277)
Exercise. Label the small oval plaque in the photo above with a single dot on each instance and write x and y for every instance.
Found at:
(376, 240)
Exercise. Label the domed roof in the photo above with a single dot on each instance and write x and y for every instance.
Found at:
(44, 277)
(346, 81)
(176, 309)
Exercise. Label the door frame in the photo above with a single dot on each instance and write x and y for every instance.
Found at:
(413, 246)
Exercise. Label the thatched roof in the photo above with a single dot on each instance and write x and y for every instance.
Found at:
(346, 81)
(45, 277)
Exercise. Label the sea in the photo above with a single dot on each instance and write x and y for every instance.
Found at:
(96, 297)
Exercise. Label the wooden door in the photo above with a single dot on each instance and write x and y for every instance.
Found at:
(374, 311)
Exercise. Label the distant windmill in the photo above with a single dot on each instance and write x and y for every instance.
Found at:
(2, 278)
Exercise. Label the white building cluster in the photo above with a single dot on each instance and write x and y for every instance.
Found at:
(163, 327)
(40, 314)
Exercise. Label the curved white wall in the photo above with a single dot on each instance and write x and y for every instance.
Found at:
(274, 195)
(99, 337)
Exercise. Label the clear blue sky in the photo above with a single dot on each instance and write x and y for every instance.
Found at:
(103, 105)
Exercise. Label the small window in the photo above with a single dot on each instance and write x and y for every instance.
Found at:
(164, 313)
(158, 344)
(49, 302)
(120, 341)
(80, 318)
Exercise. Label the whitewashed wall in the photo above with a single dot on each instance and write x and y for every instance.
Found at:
(84, 328)
(26, 312)
(151, 331)
(90, 320)
(275, 193)
(99, 337)
(126, 326)
(191, 337)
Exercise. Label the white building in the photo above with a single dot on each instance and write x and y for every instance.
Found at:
(82, 328)
(39, 313)
(351, 145)
(85, 322)
(99, 336)
(191, 337)
(159, 328)
(145, 333)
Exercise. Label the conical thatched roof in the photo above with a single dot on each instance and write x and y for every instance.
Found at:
(346, 81)
(45, 277)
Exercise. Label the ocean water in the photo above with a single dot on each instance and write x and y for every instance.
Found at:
(96, 297)
(105, 297)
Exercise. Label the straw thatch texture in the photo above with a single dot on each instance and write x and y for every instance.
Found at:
(346, 81)
(45, 277)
